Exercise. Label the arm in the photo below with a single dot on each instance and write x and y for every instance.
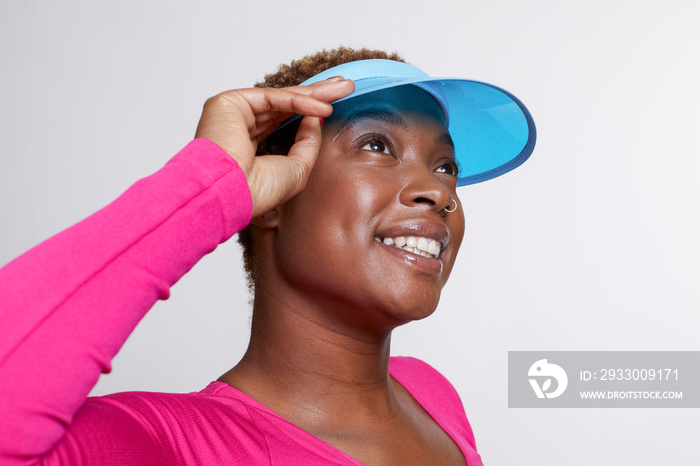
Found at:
(68, 305)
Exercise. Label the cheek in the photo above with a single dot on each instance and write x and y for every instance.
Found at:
(459, 226)
(324, 223)
(326, 232)
(456, 224)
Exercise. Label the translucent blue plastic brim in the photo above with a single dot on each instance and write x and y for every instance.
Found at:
(492, 130)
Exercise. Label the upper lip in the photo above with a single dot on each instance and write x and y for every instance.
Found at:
(425, 228)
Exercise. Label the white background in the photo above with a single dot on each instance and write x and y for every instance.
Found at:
(591, 245)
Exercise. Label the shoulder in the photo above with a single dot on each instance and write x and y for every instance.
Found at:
(422, 377)
(194, 428)
(437, 396)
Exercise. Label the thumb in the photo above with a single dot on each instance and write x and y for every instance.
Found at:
(304, 153)
(276, 178)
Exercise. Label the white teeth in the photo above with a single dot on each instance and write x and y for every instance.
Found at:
(420, 245)
(434, 248)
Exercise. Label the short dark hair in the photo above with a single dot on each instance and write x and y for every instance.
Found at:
(281, 141)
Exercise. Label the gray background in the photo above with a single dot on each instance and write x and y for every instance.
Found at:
(625, 374)
(591, 245)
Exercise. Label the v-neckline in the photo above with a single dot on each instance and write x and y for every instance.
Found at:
(323, 447)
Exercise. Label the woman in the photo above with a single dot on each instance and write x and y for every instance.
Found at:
(338, 257)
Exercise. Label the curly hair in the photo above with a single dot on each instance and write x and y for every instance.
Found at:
(282, 140)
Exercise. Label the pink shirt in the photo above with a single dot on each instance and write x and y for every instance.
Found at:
(68, 305)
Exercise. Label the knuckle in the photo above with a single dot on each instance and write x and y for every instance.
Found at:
(212, 102)
(223, 99)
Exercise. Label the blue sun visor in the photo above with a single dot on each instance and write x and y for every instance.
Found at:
(492, 130)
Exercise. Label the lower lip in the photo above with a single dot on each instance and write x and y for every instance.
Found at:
(414, 260)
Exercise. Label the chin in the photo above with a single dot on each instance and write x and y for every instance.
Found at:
(411, 307)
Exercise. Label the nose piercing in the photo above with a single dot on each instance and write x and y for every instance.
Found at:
(452, 201)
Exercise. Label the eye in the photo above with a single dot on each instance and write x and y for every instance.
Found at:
(449, 168)
(377, 145)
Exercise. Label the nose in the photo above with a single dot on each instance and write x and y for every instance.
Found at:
(423, 189)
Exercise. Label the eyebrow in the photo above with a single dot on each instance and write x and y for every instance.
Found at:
(446, 139)
(385, 116)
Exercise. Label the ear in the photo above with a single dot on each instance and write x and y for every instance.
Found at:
(267, 220)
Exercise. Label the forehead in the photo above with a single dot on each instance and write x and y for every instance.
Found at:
(394, 105)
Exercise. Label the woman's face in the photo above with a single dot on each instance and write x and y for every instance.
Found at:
(385, 174)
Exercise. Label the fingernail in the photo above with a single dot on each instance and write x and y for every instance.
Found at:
(335, 78)
(321, 121)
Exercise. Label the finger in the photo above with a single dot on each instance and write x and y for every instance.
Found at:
(276, 179)
(287, 174)
(307, 87)
(305, 150)
(311, 100)
(270, 118)
(328, 90)
(269, 121)
(264, 117)
(331, 79)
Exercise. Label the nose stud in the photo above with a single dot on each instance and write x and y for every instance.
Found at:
(452, 202)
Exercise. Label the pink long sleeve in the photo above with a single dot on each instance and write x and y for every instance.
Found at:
(68, 305)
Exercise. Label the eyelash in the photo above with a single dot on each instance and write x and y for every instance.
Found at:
(454, 168)
(376, 138)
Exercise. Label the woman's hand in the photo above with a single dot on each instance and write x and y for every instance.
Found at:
(237, 120)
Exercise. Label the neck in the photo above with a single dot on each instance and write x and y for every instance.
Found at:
(312, 367)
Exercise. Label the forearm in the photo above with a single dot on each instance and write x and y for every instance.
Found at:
(70, 303)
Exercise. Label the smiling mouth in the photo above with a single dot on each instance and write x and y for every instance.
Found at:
(420, 245)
